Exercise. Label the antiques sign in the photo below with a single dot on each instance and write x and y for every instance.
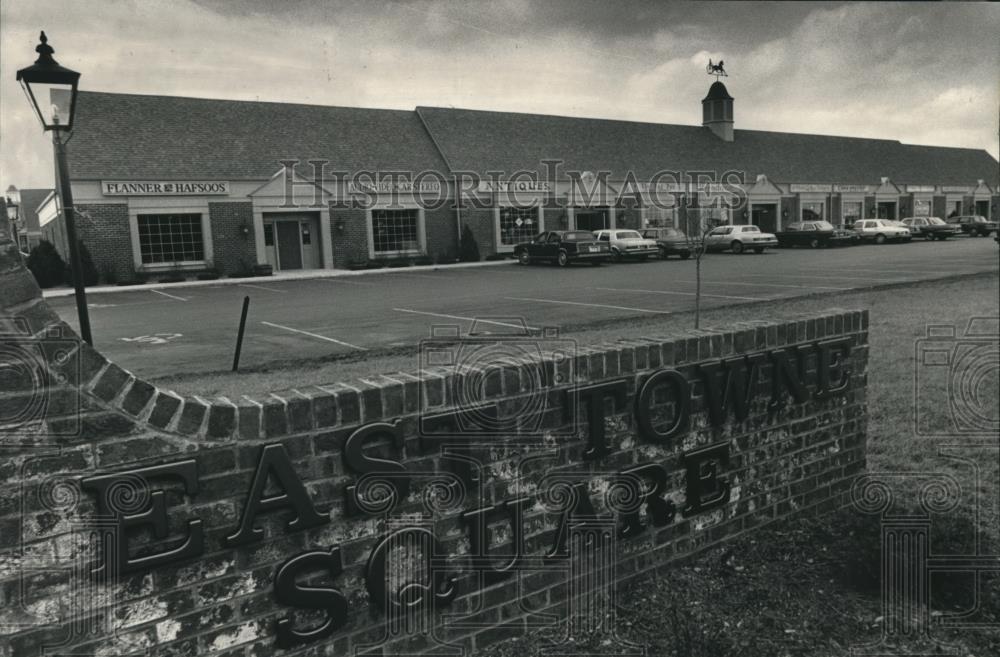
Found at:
(164, 188)
(728, 391)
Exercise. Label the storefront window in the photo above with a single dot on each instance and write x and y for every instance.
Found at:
(700, 220)
(812, 211)
(518, 225)
(166, 238)
(851, 211)
(921, 208)
(395, 230)
(654, 217)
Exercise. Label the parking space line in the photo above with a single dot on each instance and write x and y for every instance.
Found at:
(467, 319)
(314, 335)
(169, 295)
(593, 305)
(686, 294)
(260, 287)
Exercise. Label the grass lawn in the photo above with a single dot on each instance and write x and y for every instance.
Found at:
(807, 586)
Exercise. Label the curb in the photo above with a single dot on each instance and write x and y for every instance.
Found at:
(289, 276)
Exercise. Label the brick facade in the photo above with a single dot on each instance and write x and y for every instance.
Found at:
(797, 455)
(232, 251)
(104, 228)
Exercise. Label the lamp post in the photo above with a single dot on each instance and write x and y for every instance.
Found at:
(13, 207)
(52, 91)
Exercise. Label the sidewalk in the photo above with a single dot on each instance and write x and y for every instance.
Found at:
(299, 275)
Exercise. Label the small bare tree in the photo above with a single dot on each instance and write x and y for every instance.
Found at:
(698, 226)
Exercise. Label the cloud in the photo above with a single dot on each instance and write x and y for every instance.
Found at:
(900, 71)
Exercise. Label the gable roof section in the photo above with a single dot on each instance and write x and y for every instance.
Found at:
(31, 199)
(163, 137)
(481, 141)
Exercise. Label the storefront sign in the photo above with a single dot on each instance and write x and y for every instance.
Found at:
(956, 189)
(852, 189)
(797, 187)
(165, 188)
(388, 187)
(662, 187)
(926, 189)
(529, 186)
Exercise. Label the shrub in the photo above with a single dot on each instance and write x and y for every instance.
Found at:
(47, 265)
(87, 267)
(468, 249)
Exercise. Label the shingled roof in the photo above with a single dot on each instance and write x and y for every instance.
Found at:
(164, 137)
(481, 141)
(28, 210)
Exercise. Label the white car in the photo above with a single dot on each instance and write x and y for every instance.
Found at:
(627, 244)
(881, 231)
(739, 238)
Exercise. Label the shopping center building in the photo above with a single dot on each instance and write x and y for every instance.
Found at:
(184, 183)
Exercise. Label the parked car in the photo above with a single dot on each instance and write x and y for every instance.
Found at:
(671, 241)
(627, 244)
(562, 247)
(815, 234)
(738, 238)
(930, 228)
(881, 231)
(974, 225)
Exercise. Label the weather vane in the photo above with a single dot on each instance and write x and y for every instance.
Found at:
(716, 69)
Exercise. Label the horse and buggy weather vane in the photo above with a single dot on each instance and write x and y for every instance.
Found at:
(716, 69)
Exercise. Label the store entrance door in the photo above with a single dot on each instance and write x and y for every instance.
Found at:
(887, 210)
(765, 216)
(592, 219)
(289, 246)
(983, 208)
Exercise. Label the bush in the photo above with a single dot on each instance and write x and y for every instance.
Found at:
(87, 267)
(47, 265)
(468, 249)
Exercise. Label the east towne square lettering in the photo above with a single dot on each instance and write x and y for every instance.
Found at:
(730, 387)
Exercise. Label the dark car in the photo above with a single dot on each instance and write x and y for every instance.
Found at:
(815, 234)
(671, 241)
(931, 228)
(562, 247)
(974, 225)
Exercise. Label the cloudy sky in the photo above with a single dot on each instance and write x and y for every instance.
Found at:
(923, 73)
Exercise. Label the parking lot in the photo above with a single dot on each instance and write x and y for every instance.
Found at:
(192, 329)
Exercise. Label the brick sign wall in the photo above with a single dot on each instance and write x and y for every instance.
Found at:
(398, 513)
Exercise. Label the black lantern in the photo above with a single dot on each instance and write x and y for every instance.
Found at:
(51, 88)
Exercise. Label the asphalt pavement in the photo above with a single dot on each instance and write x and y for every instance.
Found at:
(184, 329)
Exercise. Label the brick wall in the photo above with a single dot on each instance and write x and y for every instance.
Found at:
(442, 233)
(96, 452)
(104, 228)
(482, 223)
(232, 251)
(350, 245)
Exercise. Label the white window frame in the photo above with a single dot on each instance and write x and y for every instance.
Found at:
(164, 207)
(844, 200)
(812, 200)
(509, 248)
(397, 206)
